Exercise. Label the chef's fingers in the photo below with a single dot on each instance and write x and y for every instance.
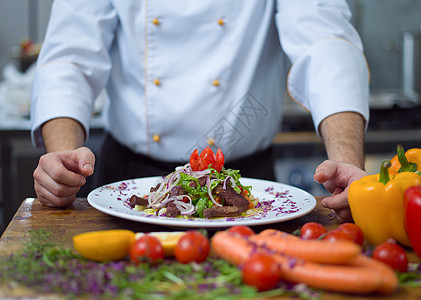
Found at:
(338, 200)
(47, 198)
(343, 215)
(56, 188)
(86, 160)
(59, 166)
(80, 161)
(327, 174)
(335, 175)
(340, 171)
(324, 171)
(338, 203)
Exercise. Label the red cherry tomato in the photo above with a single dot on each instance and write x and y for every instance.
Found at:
(146, 249)
(336, 234)
(241, 230)
(192, 246)
(261, 271)
(312, 230)
(354, 231)
(392, 254)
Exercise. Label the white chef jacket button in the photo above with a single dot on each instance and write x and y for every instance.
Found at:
(155, 21)
(156, 138)
(157, 82)
(215, 82)
(211, 141)
(221, 22)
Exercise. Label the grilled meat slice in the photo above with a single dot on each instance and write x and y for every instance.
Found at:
(231, 197)
(172, 210)
(222, 211)
(154, 189)
(202, 182)
(235, 204)
(178, 190)
(135, 200)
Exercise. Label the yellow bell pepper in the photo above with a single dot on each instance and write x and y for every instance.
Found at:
(409, 161)
(377, 204)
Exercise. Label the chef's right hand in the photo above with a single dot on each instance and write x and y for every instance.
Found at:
(336, 177)
(60, 175)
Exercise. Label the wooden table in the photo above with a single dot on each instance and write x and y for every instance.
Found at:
(81, 217)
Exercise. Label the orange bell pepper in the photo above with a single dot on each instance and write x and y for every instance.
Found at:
(409, 161)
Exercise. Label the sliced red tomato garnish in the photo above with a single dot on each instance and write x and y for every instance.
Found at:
(219, 160)
(194, 160)
(205, 159)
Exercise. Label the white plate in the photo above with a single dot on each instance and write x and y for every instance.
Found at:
(279, 202)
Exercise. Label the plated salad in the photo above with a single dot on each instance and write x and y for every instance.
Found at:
(202, 188)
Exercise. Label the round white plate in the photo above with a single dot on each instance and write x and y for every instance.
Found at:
(279, 202)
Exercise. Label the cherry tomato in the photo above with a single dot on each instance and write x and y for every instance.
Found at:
(241, 230)
(336, 234)
(261, 271)
(192, 246)
(194, 160)
(391, 254)
(146, 249)
(354, 231)
(312, 230)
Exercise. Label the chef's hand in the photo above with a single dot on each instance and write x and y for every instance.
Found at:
(60, 175)
(336, 178)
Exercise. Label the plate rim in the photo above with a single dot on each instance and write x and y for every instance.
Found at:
(192, 223)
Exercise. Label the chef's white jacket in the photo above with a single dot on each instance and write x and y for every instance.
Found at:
(186, 74)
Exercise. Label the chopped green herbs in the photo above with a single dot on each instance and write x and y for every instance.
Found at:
(412, 277)
(45, 267)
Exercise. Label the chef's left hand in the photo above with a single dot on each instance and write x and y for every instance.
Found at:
(336, 178)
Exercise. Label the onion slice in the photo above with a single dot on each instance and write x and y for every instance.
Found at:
(208, 185)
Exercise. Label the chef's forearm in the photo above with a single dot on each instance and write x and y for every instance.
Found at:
(343, 136)
(62, 134)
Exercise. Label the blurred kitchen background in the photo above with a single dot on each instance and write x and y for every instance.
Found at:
(390, 31)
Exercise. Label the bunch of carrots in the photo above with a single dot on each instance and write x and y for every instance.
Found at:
(337, 265)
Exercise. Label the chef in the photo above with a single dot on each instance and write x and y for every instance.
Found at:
(188, 74)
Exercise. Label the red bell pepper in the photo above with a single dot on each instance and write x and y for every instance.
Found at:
(412, 220)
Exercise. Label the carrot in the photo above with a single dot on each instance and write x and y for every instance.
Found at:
(337, 278)
(387, 274)
(222, 243)
(353, 278)
(321, 251)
